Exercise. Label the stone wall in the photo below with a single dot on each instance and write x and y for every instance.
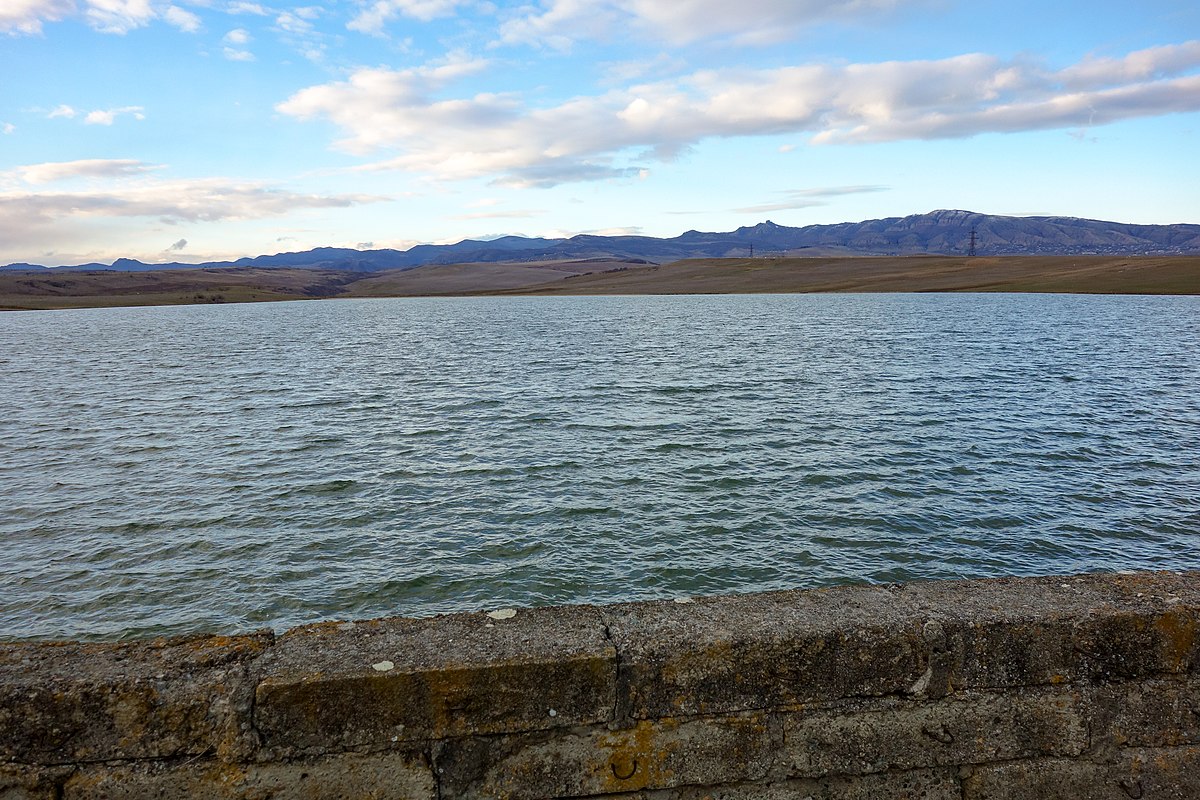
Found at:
(1065, 687)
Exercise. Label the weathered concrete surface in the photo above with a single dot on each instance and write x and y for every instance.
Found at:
(912, 785)
(347, 777)
(963, 729)
(75, 703)
(32, 783)
(1153, 774)
(593, 761)
(727, 654)
(1034, 631)
(1153, 713)
(335, 686)
(740, 653)
(1062, 687)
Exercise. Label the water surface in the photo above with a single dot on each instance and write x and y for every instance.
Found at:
(177, 469)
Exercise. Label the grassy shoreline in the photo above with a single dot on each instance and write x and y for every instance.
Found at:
(1172, 275)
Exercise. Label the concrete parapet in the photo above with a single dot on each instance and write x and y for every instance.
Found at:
(68, 703)
(338, 686)
(1079, 686)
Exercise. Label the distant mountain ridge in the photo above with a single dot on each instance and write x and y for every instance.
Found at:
(943, 232)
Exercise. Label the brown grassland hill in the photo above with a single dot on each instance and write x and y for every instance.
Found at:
(1067, 274)
(49, 289)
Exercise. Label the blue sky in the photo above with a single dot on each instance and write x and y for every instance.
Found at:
(216, 129)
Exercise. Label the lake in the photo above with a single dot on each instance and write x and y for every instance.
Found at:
(194, 468)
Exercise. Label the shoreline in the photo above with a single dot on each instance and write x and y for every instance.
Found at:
(1140, 275)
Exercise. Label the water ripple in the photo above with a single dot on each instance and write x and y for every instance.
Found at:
(181, 469)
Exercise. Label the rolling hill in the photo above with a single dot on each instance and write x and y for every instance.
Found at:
(935, 233)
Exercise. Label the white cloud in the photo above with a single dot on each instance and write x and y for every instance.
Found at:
(185, 20)
(247, 8)
(1143, 65)
(296, 29)
(747, 20)
(515, 214)
(559, 23)
(67, 226)
(205, 200)
(52, 171)
(561, 233)
(661, 65)
(293, 23)
(591, 137)
(375, 16)
(389, 94)
(100, 116)
(808, 198)
(177, 246)
(7, 128)
(109, 115)
(107, 16)
(235, 41)
(26, 16)
(119, 16)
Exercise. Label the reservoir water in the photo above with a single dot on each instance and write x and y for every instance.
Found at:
(180, 469)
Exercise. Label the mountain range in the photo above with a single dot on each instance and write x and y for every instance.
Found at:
(936, 233)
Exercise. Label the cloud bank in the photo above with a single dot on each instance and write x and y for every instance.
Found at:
(561, 23)
(53, 171)
(376, 15)
(25, 17)
(405, 113)
(125, 188)
(808, 198)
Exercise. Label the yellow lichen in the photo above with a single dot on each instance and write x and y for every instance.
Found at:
(1178, 630)
(637, 758)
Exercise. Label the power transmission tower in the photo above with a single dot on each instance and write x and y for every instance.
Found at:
(971, 247)
(752, 249)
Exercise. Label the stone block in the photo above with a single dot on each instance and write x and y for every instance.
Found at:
(1138, 642)
(963, 729)
(391, 776)
(332, 687)
(771, 650)
(1151, 713)
(1012, 632)
(76, 703)
(582, 763)
(1171, 773)
(911, 785)
(780, 649)
(32, 783)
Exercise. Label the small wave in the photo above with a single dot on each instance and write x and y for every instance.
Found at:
(337, 486)
(586, 511)
(668, 456)
(672, 447)
(534, 469)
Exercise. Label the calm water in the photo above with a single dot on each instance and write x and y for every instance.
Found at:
(232, 467)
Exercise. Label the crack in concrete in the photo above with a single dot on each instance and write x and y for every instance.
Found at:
(618, 681)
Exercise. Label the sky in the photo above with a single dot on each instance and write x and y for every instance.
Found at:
(215, 129)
